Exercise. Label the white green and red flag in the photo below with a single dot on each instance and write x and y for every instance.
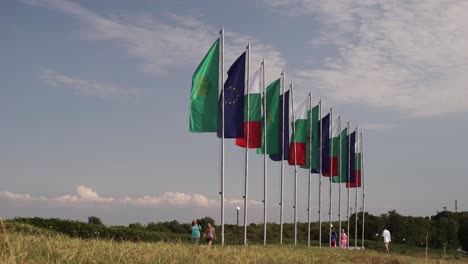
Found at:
(335, 148)
(297, 147)
(357, 167)
(252, 113)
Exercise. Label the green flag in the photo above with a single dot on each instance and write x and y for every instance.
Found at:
(204, 94)
(343, 158)
(272, 119)
(313, 115)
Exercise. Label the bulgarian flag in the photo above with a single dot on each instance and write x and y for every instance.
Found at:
(335, 148)
(297, 147)
(343, 163)
(252, 115)
(357, 171)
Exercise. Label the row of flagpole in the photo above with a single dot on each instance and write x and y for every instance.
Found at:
(265, 153)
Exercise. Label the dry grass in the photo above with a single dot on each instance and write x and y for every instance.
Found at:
(42, 247)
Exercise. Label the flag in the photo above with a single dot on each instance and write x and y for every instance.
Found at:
(204, 93)
(233, 101)
(325, 136)
(357, 172)
(350, 181)
(343, 158)
(253, 114)
(335, 151)
(271, 111)
(297, 148)
(313, 116)
(284, 119)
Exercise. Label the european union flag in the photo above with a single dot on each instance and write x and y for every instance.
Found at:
(326, 144)
(324, 134)
(284, 117)
(233, 101)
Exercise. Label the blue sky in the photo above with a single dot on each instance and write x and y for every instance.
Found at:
(94, 103)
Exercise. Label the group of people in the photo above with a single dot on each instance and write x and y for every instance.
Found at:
(344, 238)
(209, 234)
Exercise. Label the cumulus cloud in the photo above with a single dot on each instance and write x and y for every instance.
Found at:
(407, 55)
(85, 195)
(162, 45)
(85, 87)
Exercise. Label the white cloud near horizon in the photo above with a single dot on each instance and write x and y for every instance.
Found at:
(85, 195)
(406, 56)
(85, 87)
(163, 45)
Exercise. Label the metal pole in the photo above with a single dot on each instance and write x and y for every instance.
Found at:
(282, 158)
(295, 166)
(356, 202)
(320, 176)
(330, 128)
(348, 181)
(339, 186)
(238, 242)
(222, 137)
(264, 158)
(246, 180)
(363, 195)
(310, 170)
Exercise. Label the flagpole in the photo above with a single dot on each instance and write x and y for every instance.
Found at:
(356, 202)
(264, 158)
(246, 181)
(310, 171)
(295, 166)
(330, 127)
(282, 158)
(320, 176)
(363, 195)
(222, 137)
(340, 169)
(348, 181)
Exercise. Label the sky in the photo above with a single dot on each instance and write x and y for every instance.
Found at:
(94, 100)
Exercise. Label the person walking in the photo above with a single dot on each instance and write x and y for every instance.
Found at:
(386, 239)
(333, 237)
(344, 239)
(210, 234)
(196, 231)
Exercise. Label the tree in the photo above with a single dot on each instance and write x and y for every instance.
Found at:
(444, 231)
(136, 226)
(463, 232)
(94, 220)
(203, 222)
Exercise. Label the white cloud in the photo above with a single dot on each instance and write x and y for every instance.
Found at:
(85, 195)
(405, 55)
(84, 87)
(161, 46)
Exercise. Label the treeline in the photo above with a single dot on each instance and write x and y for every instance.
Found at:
(444, 230)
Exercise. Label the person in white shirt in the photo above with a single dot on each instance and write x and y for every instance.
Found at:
(386, 239)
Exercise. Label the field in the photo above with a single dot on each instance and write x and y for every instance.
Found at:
(27, 244)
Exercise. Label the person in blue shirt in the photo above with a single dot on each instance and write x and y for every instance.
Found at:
(196, 231)
(333, 237)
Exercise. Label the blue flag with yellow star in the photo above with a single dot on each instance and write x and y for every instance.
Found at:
(233, 101)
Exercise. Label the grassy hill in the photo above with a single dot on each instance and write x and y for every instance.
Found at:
(23, 243)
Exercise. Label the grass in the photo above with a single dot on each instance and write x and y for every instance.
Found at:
(21, 243)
